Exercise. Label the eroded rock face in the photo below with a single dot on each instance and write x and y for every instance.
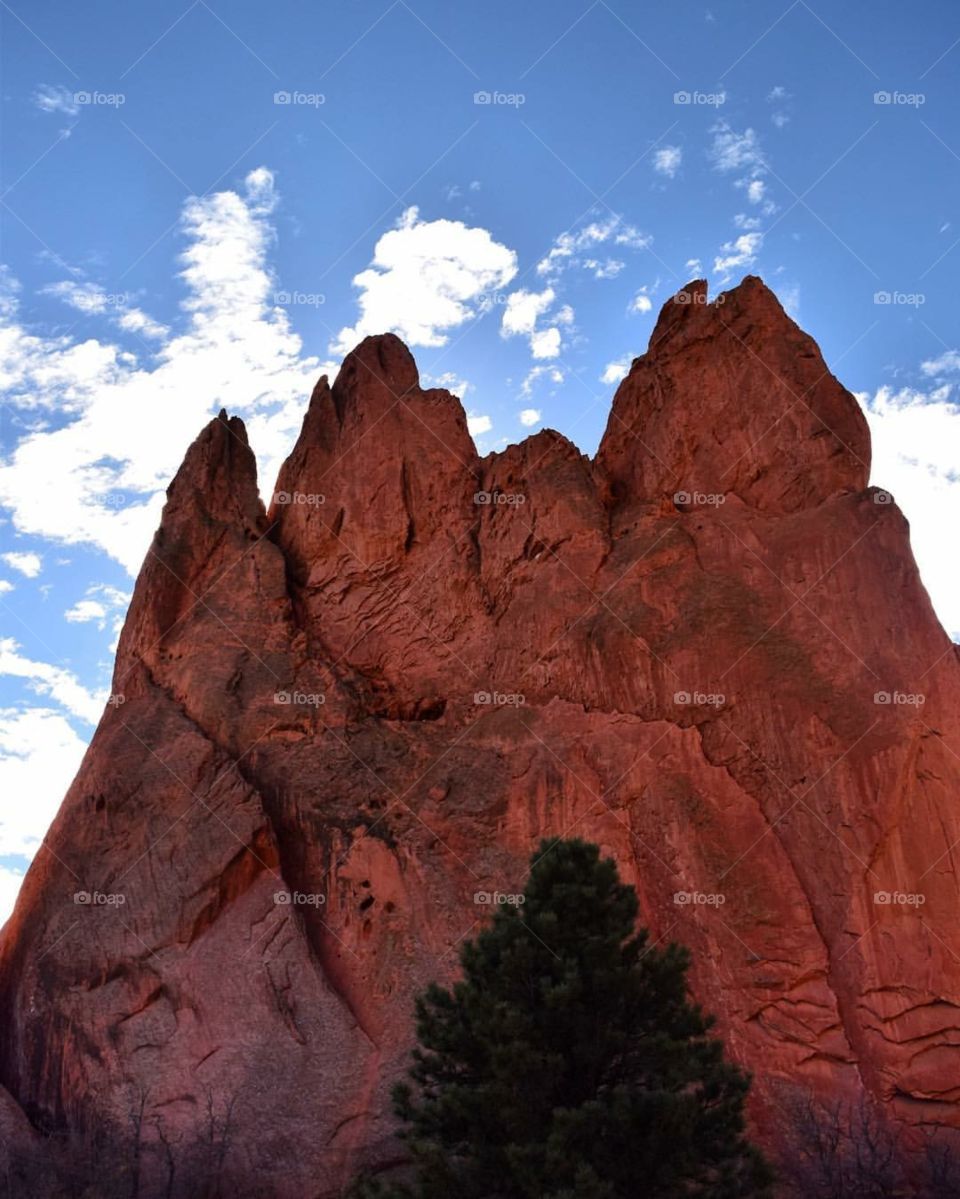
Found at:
(378, 695)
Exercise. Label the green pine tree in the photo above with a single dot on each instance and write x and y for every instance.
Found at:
(569, 1063)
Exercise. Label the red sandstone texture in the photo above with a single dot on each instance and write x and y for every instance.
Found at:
(385, 689)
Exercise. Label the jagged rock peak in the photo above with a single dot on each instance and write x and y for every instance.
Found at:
(732, 398)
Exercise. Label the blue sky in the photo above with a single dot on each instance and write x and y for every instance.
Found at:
(205, 204)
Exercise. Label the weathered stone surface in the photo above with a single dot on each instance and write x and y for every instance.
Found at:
(386, 689)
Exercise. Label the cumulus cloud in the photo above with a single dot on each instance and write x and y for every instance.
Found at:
(529, 417)
(477, 424)
(26, 562)
(545, 343)
(614, 371)
(523, 309)
(916, 448)
(39, 755)
(667, 160)
(642, 302)
(426, 278)
(99, 603)
(741, 252)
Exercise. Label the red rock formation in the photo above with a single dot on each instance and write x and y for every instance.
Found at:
(381, 693)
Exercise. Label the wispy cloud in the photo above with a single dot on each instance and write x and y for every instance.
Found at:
(667, 160)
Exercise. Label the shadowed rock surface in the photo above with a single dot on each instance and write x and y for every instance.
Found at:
(387, 688)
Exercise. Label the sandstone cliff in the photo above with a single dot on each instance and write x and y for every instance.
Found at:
(380, 692)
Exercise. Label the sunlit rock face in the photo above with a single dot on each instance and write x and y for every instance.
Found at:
(340, 722)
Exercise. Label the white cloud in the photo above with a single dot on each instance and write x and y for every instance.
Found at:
(477, 424)
(756, 189)
(97, 605)
(26, 562)
(947, 363)
(10, 883)
(90, 299)
(641, 303)
(733, 151)
(448, 381)
(530, 417)
(84, 611)
(609, 268)
(572, 249)
(695, 267)
(613, 372)
(523, 309)
(426, 278)
(916, 449)
(56, 98)
(777, 93)
(84, 297)
(545, 343)
(39, 756)
(789, 297)
(53, 681)
(5, 586)
(667, 160)
(555, 374)
(739, 253)
(742, 221)
(136, 321)
(108, 433)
